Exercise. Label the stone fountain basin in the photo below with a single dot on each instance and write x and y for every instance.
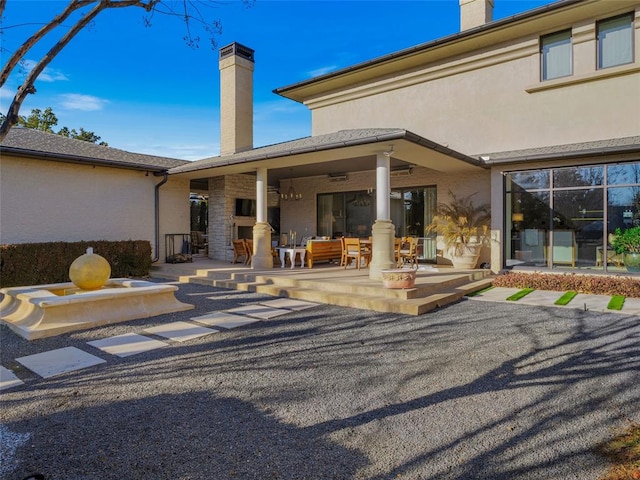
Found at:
(41, 311)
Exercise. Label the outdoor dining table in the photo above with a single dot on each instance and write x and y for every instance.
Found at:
(292, 251)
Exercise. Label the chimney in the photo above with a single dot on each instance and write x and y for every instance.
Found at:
(474, 13)
(236, 99)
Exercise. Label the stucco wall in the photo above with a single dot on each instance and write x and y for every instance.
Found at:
(494, 100)
(44, 201)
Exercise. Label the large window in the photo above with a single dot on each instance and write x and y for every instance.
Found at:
(615, 41)
(556, 55)
(562, 218)
(348, 214)
(352, 214)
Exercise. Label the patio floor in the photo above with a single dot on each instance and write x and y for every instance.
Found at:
(332, 284)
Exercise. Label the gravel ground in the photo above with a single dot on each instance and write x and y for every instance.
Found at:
(476, 390)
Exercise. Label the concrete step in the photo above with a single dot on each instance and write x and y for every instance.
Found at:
(351, 289)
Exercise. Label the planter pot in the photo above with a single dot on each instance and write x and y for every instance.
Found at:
(399, 278)
(468, 258)
(632, 262)
(467, 261)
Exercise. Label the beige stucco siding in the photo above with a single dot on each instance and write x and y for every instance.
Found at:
(44, 201)
(494, 101)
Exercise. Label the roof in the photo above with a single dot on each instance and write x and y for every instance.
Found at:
(449, 46)
(322, 143)
(28, 142)
(613, 146)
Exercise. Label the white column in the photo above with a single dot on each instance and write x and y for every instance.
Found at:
(383, 186)
(382, 231)
(262, 257)
(261, 195)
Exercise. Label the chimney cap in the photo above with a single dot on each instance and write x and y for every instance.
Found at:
(238, 49)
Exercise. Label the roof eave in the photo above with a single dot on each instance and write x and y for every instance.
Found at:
(595, 152)
(289, 91)
(78, 159)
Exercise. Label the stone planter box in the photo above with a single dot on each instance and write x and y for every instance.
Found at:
(399, 278)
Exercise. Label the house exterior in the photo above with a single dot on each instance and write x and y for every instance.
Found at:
(538, 114)
(54, 188)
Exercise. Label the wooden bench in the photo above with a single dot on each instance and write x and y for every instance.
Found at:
(318, 250)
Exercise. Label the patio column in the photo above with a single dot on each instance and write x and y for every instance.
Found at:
(262, 257)
(382, 231)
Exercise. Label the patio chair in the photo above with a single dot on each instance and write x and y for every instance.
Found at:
(397, 246)
(198, 242)
(239, 250)
(248, 243)
(353, 249)
(409, 252)
(343, 257)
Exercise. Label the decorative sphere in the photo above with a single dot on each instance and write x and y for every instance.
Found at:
(89, 271)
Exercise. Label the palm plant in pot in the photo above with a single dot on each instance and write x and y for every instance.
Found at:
(627, 243)
(464, 228)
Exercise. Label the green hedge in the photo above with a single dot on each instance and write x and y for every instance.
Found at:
(43, 263)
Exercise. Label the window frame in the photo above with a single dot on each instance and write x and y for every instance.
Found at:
(599, 56)
(543, 64)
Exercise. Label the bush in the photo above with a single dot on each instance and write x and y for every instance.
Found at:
(43, 263)
(595, 284)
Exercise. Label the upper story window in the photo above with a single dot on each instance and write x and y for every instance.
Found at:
(615, 41)
(556, 55)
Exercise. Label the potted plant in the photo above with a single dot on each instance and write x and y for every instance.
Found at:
(627, 243)
(463, 227)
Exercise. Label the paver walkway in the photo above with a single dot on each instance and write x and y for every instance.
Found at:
(547, 298)
(68, 359)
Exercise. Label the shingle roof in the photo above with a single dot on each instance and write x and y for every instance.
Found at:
(34, 143)
(574, 150)
(340, 139)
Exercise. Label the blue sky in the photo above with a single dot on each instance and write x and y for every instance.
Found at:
(142, 89)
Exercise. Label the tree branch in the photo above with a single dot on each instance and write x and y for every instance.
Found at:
(36, 37)
(27, 86)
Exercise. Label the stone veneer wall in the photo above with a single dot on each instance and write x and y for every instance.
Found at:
(223, 192)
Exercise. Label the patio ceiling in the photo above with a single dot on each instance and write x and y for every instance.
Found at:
(340, 152)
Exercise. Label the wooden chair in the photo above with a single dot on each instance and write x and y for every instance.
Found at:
(248, 245)
(397, 246)
(239, 250)
(409, 252)
(353, 249)
(343, 257)
(198, 242)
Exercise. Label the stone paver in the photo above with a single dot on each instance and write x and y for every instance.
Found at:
(180, 331)
(259, 311)
(631, 306)
(224, 320)
(127, 344)
(61, 360)
(543, 298)
(289, 303)
(8, 379)
(596, 303)
(497, 294)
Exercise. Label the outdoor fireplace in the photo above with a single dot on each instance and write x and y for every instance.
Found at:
(243, 227)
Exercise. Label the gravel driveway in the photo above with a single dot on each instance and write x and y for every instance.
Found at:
(477, 390)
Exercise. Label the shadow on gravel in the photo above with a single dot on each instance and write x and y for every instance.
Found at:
(498, 392)
(188, 436)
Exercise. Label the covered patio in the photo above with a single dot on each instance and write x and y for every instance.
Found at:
(364, 159)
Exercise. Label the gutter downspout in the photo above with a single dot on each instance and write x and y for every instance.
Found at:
(157, 213)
